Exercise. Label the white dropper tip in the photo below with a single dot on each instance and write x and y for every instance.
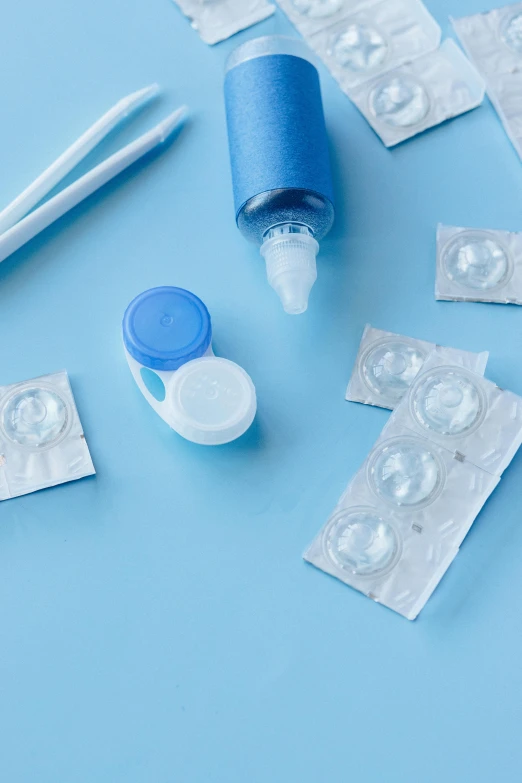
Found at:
(291, 268)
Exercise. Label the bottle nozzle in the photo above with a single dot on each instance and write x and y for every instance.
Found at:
(290, 253)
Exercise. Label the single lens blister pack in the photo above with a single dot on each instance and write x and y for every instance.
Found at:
(400, 522)
(419, 95)
(476, 265)
(41, 437)
(216, 20)
(463, 412)
(493, 40)
(377, 38)
(388, 363)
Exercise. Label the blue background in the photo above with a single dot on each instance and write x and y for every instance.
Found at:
(157, 621)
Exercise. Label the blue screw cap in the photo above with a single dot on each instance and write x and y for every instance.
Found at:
(163, 328)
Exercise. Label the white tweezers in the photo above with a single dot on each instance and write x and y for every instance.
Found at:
(17, 226)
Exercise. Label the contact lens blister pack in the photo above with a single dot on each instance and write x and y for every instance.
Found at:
(420, 94)
(462, 412)
(404, 515)
(216, 20)
(401, 520)
(388, 363)
(478, 265)
(41, 437)
(358, 42)
(493, 40)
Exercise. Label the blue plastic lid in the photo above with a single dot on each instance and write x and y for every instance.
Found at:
(165, 327)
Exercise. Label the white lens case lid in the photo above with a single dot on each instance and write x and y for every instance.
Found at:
(211, 401)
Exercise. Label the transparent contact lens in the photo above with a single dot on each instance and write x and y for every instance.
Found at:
(475, 260)
(35, 417)
(512, 33)
(448, 401)
(405, 472)
(389, 367)
(359, 48)
(317, 9)
(361, 542)
(399, 101)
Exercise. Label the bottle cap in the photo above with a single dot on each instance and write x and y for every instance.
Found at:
(163, 328)
(211, 401)
(291, 268)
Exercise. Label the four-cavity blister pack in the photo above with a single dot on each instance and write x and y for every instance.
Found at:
(420, 94)
(167, 336)
(493, 41)
(216, 20)
(41, 437)
(478, 265)
(400, 522)
(388, 363)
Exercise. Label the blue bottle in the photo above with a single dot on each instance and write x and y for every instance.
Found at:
(281, 173)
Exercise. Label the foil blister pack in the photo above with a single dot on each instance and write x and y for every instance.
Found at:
(420, 94)
(477, 265)
(388, 363)
(376, 38)
(400, 522)
(41, 437)
(493, 41)
(464, 412)
(217, 20)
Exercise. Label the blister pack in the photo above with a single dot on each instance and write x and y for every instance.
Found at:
(41, 438)
(402, 518)
(360, 41)
(477, 265)
(462, 412)
(493, 40)
(419, 95)
(400, 522)
(216, 20)
(388, 363)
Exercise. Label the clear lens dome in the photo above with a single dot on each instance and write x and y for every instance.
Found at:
(317, 9)
(512, 33)
(359, 48)
(475, 260)
(361, 542)
(35, 417)
(389, 367)
(406, 472)
(399, 101)
(448, 401)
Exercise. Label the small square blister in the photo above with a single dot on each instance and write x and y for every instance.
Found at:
(388, 363)
(41, 437)
(478, 265)
(217, 20)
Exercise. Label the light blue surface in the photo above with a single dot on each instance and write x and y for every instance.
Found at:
(158, 624)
